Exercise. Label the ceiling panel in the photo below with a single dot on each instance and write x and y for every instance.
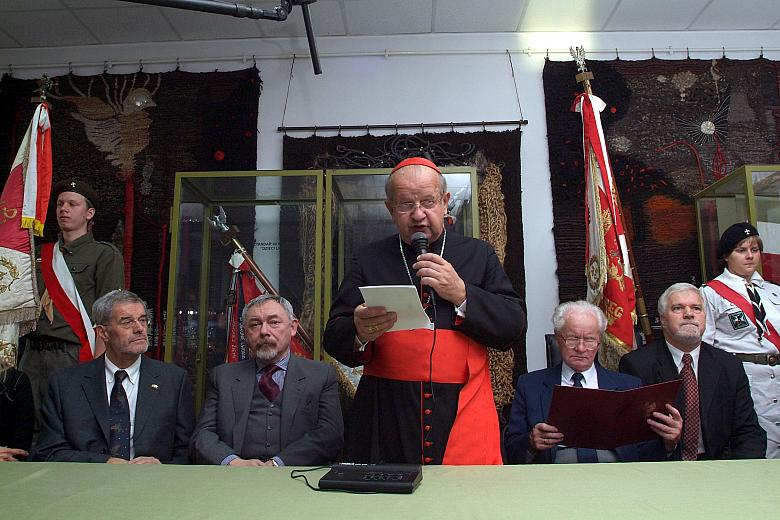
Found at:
(29, 5)
(566, 15)
(326, 20)
(753, 14)
(192, 25)
(135, 24)
(45, 28)
(658, 15)
(470, 16)
(388, 17)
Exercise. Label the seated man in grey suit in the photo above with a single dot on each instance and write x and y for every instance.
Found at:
(123, 406)
(720, 422)
(275, 408)
(579, 329)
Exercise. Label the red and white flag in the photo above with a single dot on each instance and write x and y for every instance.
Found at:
(607, 259)
(23, 206)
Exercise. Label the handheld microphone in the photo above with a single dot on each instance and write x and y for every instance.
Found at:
(419, 243)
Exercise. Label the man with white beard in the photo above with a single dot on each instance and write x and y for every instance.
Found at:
(274, 409)
(719, 421)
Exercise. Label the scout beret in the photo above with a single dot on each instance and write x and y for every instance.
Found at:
(735, 234)
(80, 187)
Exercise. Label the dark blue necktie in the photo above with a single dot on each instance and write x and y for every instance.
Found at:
(583, 454)
(119, 417)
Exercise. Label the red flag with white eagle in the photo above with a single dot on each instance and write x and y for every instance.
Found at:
(607, 258)
(23, 206)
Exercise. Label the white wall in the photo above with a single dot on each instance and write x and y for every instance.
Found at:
(428, 78)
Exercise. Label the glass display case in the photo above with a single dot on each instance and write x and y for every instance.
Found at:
(278, 216)
(748, 194)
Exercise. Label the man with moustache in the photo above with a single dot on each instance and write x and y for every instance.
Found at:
(274, 409)
(71, 274)
(425, 395)
(719, 421)
(123, 407)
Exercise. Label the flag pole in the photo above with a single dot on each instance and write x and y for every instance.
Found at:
(584, 77)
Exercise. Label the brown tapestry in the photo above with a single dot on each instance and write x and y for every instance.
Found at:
(496, 156)
(672, 128)
(129, 134)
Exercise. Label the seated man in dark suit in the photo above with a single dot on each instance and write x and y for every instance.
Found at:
(579, 329)
(275, 408)
(123, 406)
(720, 422)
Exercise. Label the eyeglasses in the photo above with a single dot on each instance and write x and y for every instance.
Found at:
(127, 323)
(573, 342)
(408, 207)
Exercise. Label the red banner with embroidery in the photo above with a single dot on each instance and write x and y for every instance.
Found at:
(23, 205)
(607, 263)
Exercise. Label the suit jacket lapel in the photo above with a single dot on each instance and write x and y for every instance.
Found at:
(243, 390)
(552, 378)
(148, 386)
(294, 384)
(94, 387)
(607, 381)
(708, 376)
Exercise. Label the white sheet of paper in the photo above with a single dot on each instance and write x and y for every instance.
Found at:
(401, 299)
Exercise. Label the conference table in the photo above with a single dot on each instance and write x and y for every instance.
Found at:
(706, 489)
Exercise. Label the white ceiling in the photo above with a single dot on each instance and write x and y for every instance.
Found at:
(47, 23)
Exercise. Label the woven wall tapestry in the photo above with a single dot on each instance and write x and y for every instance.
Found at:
(672, 128)
(127, 135)
(496, 156)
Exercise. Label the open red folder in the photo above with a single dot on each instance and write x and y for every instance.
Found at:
(606, 419)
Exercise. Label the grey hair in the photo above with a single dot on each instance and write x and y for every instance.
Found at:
(389, 182)
(104, 306)
(563, 310)
(663, 300)
(260, 300)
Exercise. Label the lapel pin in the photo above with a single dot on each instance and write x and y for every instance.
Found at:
(154, 385)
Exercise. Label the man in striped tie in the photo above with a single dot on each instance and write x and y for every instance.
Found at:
(719, 421)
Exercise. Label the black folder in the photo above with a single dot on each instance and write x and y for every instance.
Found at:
(376, 478)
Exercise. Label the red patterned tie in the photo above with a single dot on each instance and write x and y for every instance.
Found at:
(690, 449)
(267, 384)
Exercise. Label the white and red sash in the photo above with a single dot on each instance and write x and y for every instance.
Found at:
(745, 306)
(65, 296)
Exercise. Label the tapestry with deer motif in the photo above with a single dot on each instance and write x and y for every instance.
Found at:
(127, 135)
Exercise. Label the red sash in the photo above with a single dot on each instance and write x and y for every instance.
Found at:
(745, 306)
(69, 311)
(474, 438)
